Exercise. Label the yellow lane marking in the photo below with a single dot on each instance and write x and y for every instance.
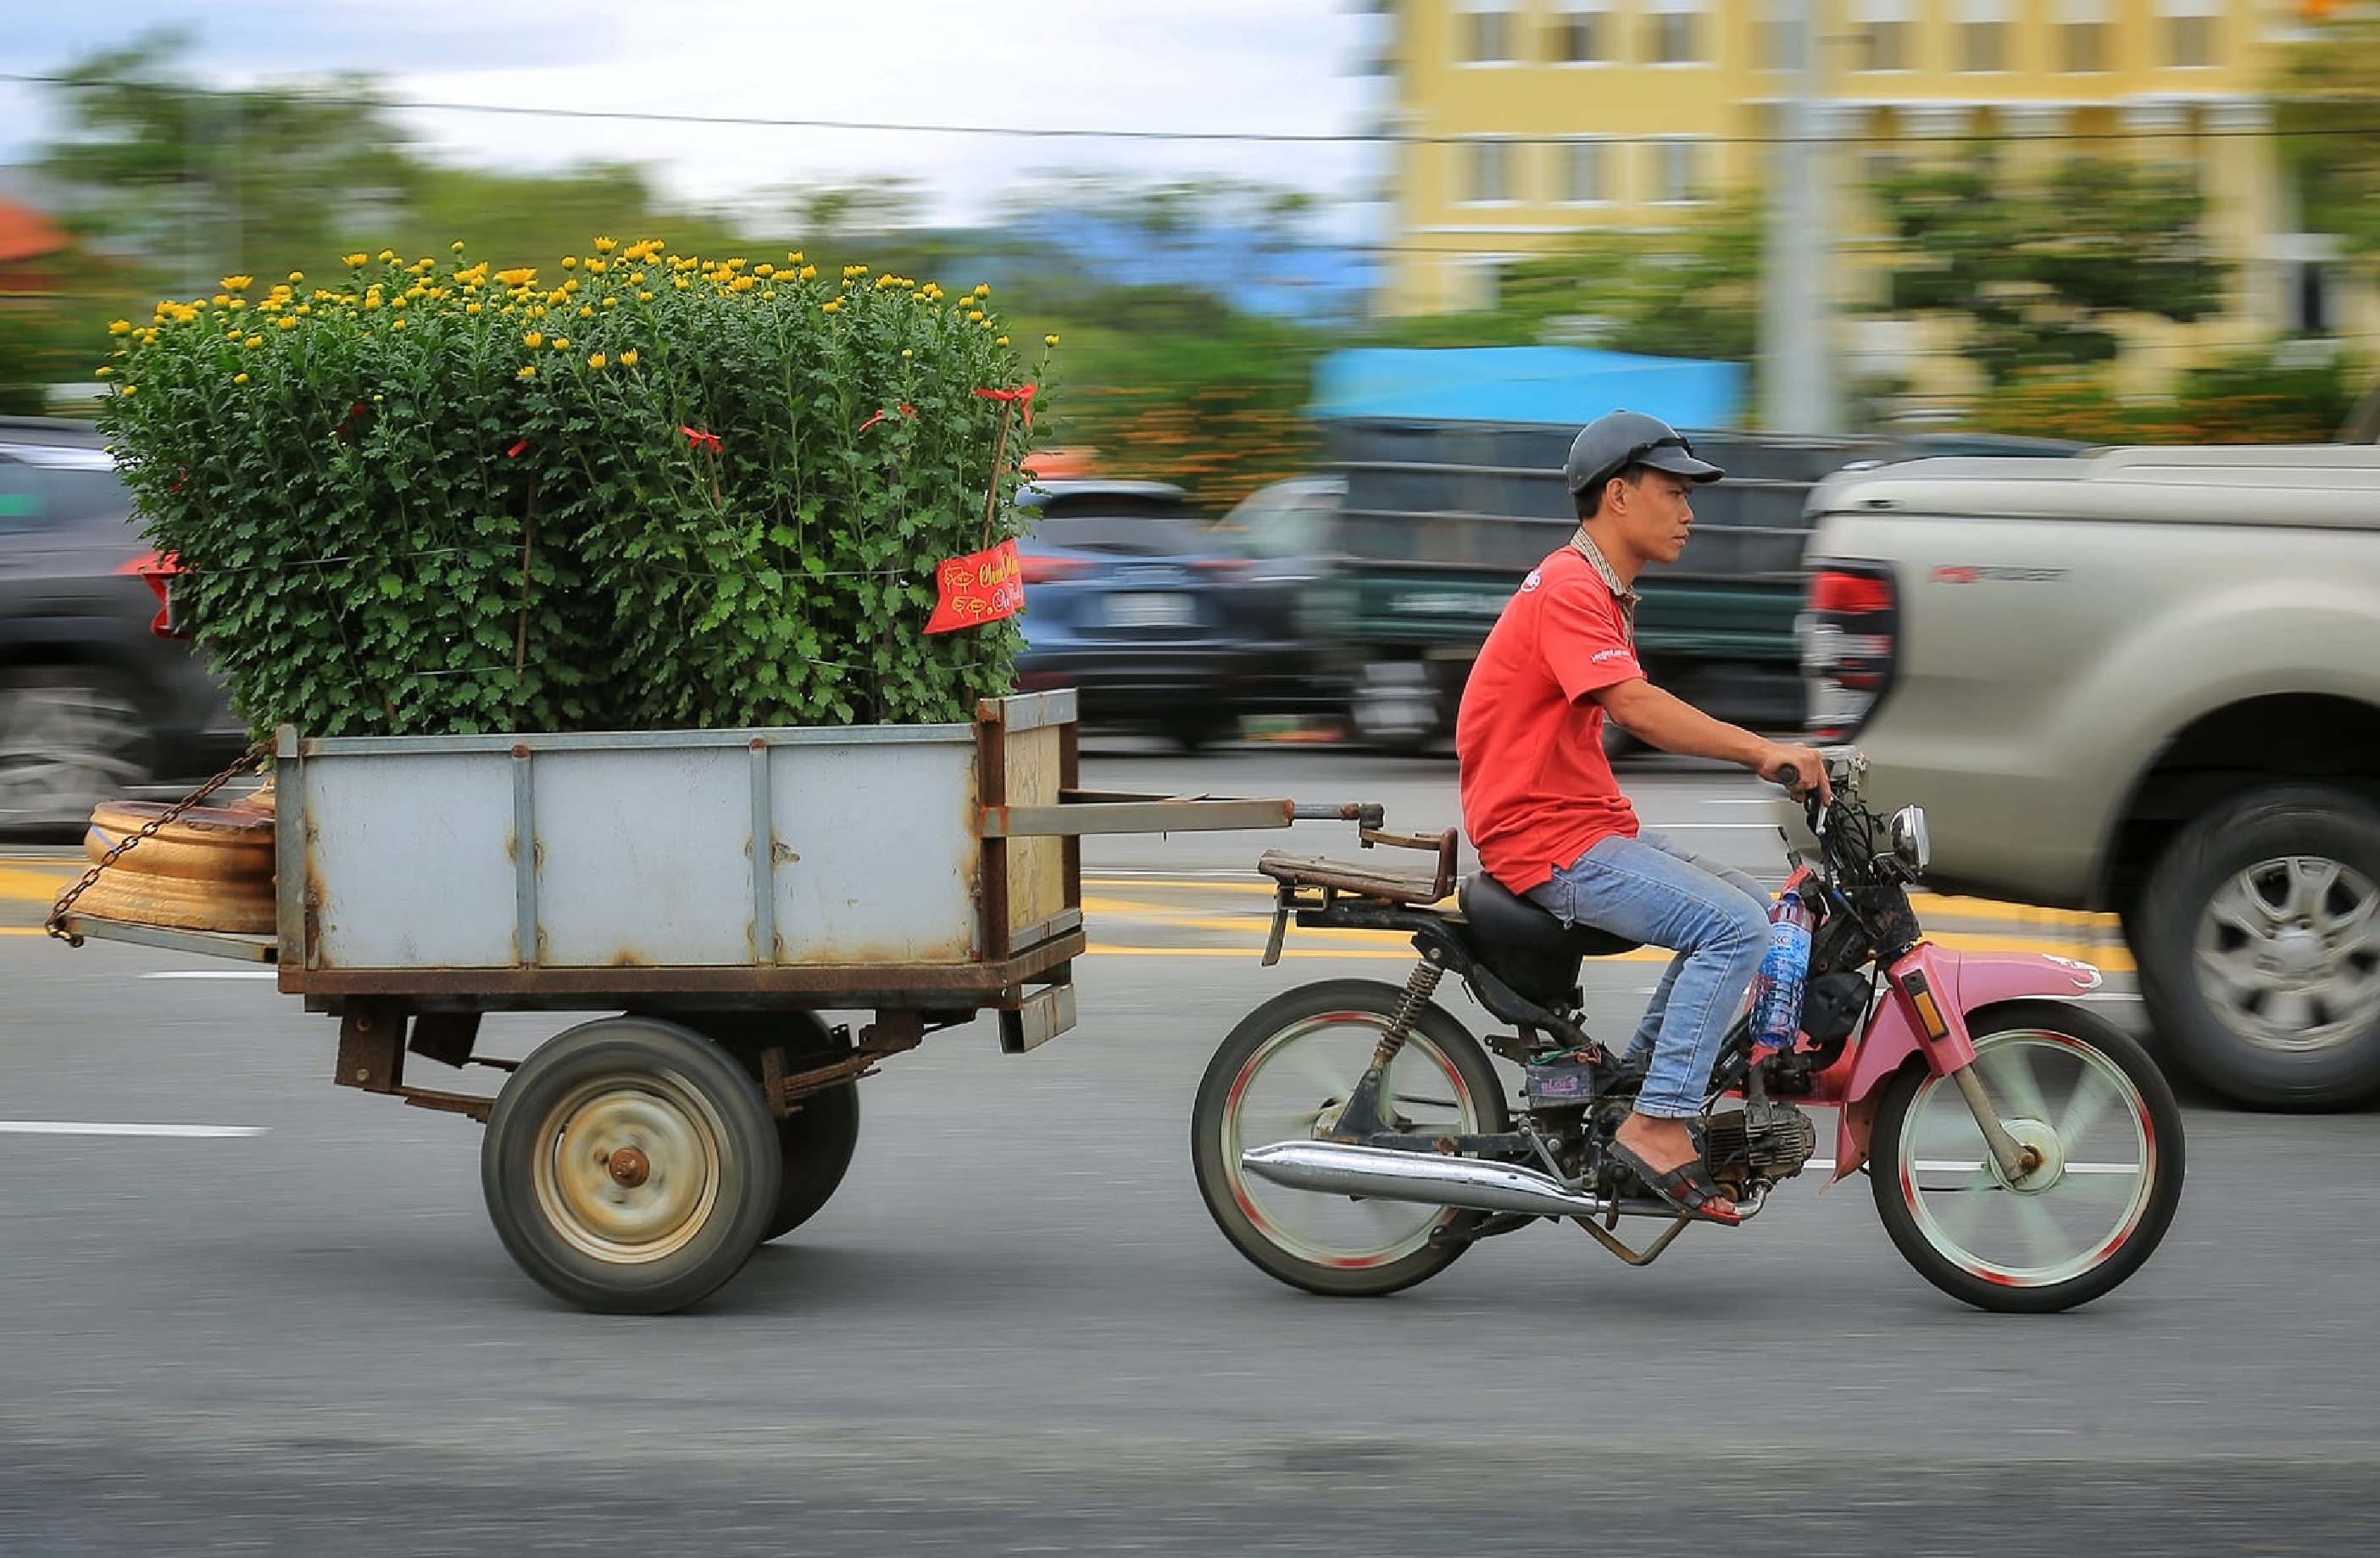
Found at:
(36, 885)
(21, 930)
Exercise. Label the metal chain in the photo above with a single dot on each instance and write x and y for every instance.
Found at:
(56, 924)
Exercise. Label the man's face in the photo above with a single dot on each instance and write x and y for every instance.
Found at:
(1654, 514)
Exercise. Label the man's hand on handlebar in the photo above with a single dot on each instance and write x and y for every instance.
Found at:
(1800, 769)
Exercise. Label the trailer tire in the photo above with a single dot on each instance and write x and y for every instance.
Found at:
(816, 1144)
(630, 1166)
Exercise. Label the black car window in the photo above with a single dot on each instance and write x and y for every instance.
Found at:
(1131, 535)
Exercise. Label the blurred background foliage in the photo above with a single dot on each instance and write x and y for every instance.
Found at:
(1171, 368)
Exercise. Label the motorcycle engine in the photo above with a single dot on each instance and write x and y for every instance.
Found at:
(1762, 1140)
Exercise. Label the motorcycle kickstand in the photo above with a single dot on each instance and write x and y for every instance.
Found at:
(1645, 1257)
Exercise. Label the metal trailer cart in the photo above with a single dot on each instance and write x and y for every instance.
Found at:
(711, 891)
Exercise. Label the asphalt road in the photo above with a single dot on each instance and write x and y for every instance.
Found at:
(1015, 1330)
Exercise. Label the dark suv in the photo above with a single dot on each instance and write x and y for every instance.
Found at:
(92, 703)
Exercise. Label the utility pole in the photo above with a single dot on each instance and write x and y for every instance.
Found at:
(1797, 378)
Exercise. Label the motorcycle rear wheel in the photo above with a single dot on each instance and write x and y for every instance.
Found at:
(1286, 1068)
(2103, 1118)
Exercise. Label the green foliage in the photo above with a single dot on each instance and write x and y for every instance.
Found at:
(2248, 399)
(2042, 267)
(2326, 105)
(1693, 292)
(645, 491)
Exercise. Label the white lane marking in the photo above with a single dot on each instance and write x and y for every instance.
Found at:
(213, 974)
(94, 1127)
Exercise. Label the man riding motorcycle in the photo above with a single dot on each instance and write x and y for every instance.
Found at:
(1548, 818)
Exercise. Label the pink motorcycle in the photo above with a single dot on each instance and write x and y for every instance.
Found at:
(1352, 1137)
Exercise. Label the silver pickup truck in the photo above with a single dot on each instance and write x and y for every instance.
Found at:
(2145, 681)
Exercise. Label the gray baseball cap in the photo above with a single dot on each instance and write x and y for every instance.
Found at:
(1609, 444)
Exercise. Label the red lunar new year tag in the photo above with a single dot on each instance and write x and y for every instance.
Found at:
(979, 588)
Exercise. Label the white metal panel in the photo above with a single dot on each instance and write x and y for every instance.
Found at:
(411, 854)
(878, 856)
(644, 857)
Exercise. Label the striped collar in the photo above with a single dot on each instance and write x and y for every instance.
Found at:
(1582, 543)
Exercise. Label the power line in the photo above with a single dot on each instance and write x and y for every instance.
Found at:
(1270, 138)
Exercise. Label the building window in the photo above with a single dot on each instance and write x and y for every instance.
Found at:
(1488, 172)
(1581, 172)
(1677, 172)
(2192, 41)
(1488, 37)
(2083, 46)
(1579, 37)
(1982, 45)
(1673, 37)
(1882, 45)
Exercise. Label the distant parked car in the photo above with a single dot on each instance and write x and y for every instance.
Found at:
(1158, 620)
(92, 704)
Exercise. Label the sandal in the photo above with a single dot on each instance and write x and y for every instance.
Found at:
(1689, 1187)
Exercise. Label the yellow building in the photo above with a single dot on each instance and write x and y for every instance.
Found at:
(1529, 120)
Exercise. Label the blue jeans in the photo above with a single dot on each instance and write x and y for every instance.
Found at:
(1717, 920)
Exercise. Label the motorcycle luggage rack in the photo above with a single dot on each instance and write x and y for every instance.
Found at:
(1310, 886)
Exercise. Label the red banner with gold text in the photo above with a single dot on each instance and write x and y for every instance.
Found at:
(979, 588)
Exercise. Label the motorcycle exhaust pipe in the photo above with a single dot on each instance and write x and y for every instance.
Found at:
(1382, 1173)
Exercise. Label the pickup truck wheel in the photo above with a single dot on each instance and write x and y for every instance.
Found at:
(630, 1166)
(70, 737)
(2258, 940)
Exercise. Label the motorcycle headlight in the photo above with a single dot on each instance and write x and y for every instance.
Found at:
(1912, 845)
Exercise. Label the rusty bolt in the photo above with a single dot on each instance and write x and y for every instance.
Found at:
(363, 1073)
(629, 1167)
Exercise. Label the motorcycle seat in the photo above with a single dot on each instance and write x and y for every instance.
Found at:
(1525, 945)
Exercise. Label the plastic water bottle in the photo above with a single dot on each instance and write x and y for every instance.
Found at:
(1776, 989)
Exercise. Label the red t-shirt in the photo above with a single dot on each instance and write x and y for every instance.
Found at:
(1538, 791)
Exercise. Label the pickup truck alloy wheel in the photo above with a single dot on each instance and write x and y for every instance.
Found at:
(630, 1166)
(70, 739)
(2259, 947)
(1283, 1073)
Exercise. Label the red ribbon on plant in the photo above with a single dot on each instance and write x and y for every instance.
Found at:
(698, 439)
(905, 410)
(517, 450)
(1022, 396)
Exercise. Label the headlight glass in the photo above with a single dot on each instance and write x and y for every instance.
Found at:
(1912, 845)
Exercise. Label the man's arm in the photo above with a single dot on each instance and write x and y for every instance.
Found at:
(1663, 720)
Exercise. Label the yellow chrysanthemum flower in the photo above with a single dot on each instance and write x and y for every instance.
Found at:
(534, 339)
(398, 326)
(253, 342)
(562, 343)
(287, 321)
(597, 267)
(105, 372)
(570, 261)
(520, 277)
(237, 283)
(239, 378)
(743, 283)
(388, 256)
(355, 260)
(587, 310)
(530, 373)
(472, 308)
(794, 257)
(604, 246)
(628, 358)
(1000, 341)
(644, 296)
(597, 360)
(1049, 340)
(297, 275)
(457, 246)
(119, 327)
(830, 305)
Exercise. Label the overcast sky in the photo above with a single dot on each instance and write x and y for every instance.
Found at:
(1235, 65)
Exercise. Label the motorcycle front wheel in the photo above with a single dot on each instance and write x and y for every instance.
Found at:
(2088, 1101)
(1282, 1075)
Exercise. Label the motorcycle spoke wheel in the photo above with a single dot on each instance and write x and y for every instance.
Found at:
(1284, 1075)
(2086, 1102)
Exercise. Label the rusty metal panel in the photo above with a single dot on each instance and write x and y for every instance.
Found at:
(1039, 1018)
(408, 859)
(644, 857)
(876, 856)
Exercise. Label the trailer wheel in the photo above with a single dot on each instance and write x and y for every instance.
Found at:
(630, 1166)
(816, 1144)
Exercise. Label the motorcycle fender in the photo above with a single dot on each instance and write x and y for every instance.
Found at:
(1896, 1036)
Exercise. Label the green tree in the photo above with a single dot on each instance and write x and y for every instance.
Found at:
(2326, 105)
(1692, 292)
(2042, 268)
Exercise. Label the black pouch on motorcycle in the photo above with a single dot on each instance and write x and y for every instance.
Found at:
(1831, 1005)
